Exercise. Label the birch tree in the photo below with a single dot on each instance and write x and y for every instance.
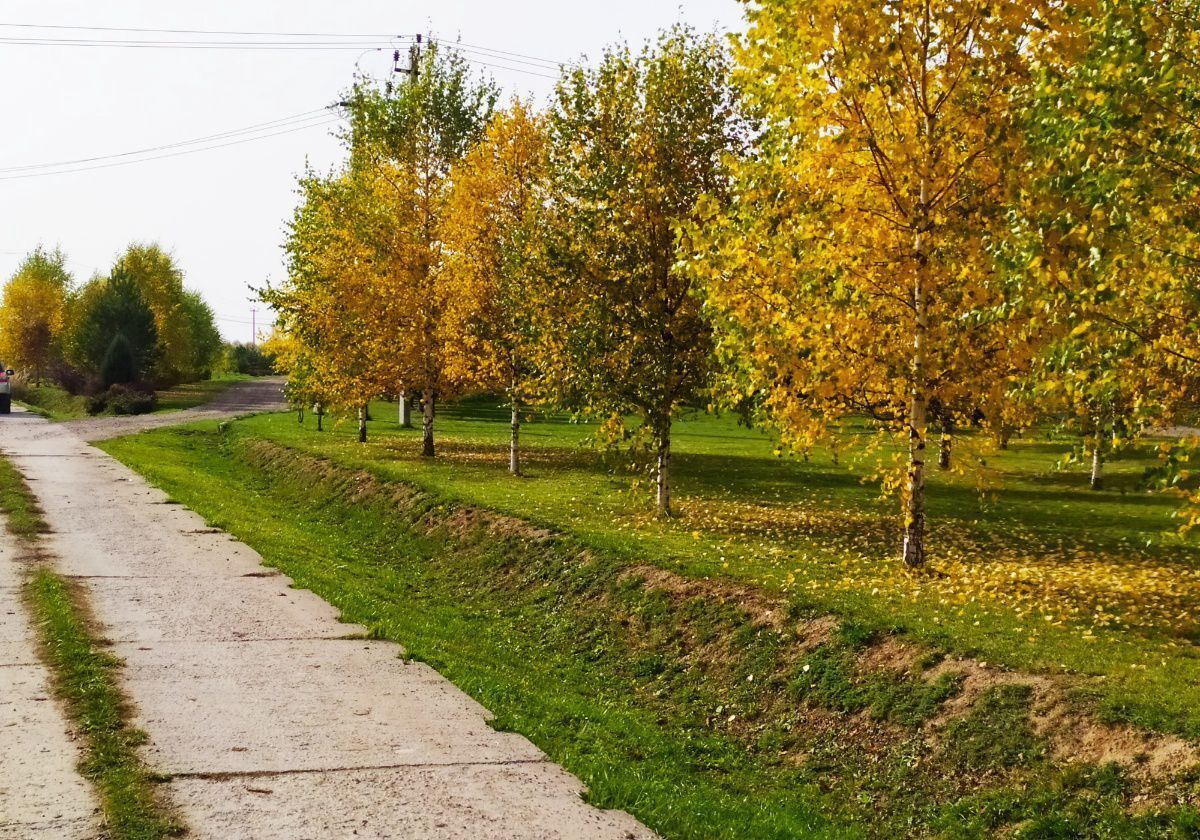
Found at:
(854, 275)
(1111, 216)
(405, 140)
(634, 144)
(33, 313)
(329, 305)
(493, 269)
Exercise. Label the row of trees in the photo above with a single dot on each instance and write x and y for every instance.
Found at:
(931, 214)
(136, 324)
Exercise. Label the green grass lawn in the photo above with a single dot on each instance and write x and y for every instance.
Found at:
(1031, 569)
(53, 402)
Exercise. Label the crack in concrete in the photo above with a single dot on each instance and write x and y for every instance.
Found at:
(226, 775)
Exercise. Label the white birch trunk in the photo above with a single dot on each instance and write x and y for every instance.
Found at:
(913, 550)
(405, 410)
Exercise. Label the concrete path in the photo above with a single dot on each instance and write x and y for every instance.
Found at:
(272, 718)
(41, 794)
(240, 398)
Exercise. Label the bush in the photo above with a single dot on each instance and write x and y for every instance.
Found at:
(122, 399)
(247, 359)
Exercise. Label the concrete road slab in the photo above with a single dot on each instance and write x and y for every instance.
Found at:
(14, 627)
(484, 802)
(304, 705)
(39, 785)
(222, 609)
(64, 829)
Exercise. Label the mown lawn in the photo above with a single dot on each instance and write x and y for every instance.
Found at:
(1030, 568)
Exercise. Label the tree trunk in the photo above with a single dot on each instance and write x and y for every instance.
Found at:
(362, 423)
(405, 410)
(1097, 481)
(514, 443)
(914, 490)
(1005, 434)
(913, 549)
(320, 412)
(427, 449)
(663, 472)
(944, 446)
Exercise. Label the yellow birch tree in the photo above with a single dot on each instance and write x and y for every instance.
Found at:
(492, 269)
(854, 275)
(32, 313)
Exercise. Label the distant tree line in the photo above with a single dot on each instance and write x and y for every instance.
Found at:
(136, 327)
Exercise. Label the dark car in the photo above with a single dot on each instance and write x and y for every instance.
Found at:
(6, 392)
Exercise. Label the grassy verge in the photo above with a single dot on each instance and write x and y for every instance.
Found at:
(85, 677)
(1030, 568)
(696, 705)
(22, 514)
(54, 403)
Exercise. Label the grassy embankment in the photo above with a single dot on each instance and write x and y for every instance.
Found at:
(689, 703)
(53, 402)
(85, 677)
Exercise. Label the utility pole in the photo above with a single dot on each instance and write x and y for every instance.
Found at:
(253, 327)
(413, 70)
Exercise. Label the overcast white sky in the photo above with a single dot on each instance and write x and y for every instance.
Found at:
(222, 211)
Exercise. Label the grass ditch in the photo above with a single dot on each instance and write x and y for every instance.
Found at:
(703, 707)
(85, 678)
(1030, 570)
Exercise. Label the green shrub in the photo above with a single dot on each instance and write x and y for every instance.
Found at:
(122, 399)
(247, 359)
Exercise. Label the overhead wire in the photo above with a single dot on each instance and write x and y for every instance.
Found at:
(336, 42)
(294, 119)
(193, 31)
(472, 53)
(176, 153)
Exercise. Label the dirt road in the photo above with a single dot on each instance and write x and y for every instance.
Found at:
(240, 398)
(273, 719)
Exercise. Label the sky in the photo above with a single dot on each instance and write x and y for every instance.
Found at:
(220, 205)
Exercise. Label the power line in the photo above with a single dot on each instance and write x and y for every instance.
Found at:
(513, 55)
(294, 119)
(191, 31)
(46, 40)
(176, 153)
(514, 69)
(279, 46)
(284, 46)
